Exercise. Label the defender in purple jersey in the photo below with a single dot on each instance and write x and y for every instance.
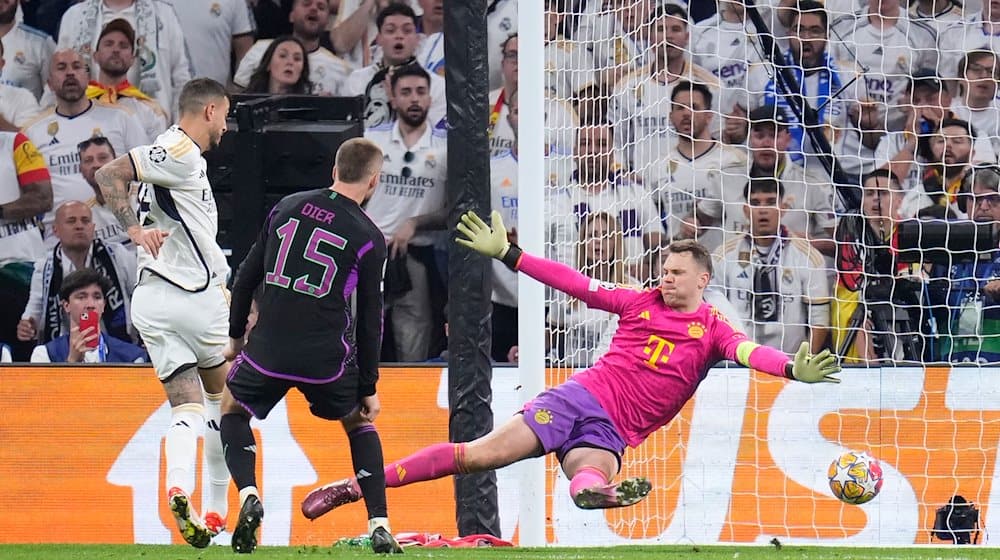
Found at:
(317, 250)
(667, 339)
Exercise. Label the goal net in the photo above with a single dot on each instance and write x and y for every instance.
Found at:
(695, 129)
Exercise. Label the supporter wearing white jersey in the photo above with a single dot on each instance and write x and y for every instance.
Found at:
(977, 100)
(820, 78)
(697, 170)
(180, 306)
(639, 107)
(857, 146)
(113, 56)
(722, 45)
(26, 52)
(353, 32)
(569, 66)
(980, 31)
(939, 14)
(25, 192)
(94, 154)
(613, 32)
(216, 33)
(327, 71)
(890, 45)
(430, 53)
(777, 282)
(162, 66)
(398, 38)
(560, 117)
(75, 118)
(598, 187)
(808, 195)
(17, 107)
(407, 205)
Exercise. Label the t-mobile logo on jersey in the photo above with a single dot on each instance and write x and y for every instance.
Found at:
(654, 349)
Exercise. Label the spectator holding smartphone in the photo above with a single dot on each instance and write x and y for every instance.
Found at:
(83, 296)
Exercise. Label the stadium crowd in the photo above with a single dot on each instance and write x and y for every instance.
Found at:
(660, 124)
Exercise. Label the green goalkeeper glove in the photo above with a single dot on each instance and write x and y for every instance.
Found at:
(481, 238)
(815, 369)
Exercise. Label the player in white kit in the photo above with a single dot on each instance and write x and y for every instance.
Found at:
(181, 306)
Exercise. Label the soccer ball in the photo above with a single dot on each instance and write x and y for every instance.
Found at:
(855, 477)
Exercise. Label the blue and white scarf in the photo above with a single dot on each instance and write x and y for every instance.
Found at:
(829, 82)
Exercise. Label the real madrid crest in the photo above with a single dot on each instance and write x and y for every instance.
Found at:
(216, 9)
(53, 128)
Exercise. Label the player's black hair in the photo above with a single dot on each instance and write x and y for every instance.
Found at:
(969, 129)
(200, 92)
(79, 279)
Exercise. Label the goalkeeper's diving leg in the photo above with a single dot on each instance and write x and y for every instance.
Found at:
(589, 467)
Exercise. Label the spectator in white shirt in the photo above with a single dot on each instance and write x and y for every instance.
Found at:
(284, 69)
(327, 72)
(398, 39)
(114, 56)
(162, 66)
(17, 105)
(217, 34)
(27, 51)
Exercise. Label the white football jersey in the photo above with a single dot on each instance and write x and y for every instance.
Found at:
(639, 111)
(808, 197)
(355, 57)
(951, 14)
(568, 68)
(725, 49)
(56, 137)
(17, 105)
(503, 197)
(413, 180)
(26, 54)
(802, 284)
(891, 55)
(685, 185)
(209, 28)
(378, 112)
(327, 72)
(986, 121)
(961, 37)
(176, 197)
(631, 203)
(20, 240)
(561, 122)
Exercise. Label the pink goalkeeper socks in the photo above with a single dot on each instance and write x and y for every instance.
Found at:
(586, 477)
(435, 461)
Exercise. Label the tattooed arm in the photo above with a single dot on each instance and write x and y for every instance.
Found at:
(114, 179)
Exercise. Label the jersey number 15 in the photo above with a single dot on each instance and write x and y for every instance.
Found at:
(286, 233)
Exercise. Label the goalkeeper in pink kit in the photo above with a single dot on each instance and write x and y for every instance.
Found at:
(666, 341)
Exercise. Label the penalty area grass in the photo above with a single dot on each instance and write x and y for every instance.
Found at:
(668, 552)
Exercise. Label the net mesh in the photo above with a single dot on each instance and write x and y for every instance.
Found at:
(659, 128)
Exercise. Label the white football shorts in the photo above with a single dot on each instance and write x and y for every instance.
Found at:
(181, 329)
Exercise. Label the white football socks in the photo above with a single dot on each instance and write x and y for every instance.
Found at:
(215, 459)
(181, 448)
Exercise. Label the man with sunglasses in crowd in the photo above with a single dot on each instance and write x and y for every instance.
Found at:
(408, 204)
(971, 295)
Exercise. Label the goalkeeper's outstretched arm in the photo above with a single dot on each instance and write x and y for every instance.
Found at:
(492, 242)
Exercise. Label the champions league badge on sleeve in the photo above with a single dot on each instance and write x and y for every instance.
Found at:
(157, 154)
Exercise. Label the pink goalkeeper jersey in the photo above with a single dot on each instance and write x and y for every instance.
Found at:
(658, 356)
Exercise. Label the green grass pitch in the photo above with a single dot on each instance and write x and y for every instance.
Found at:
(147, 552)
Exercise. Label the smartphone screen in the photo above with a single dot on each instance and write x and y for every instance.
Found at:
(89, 319)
